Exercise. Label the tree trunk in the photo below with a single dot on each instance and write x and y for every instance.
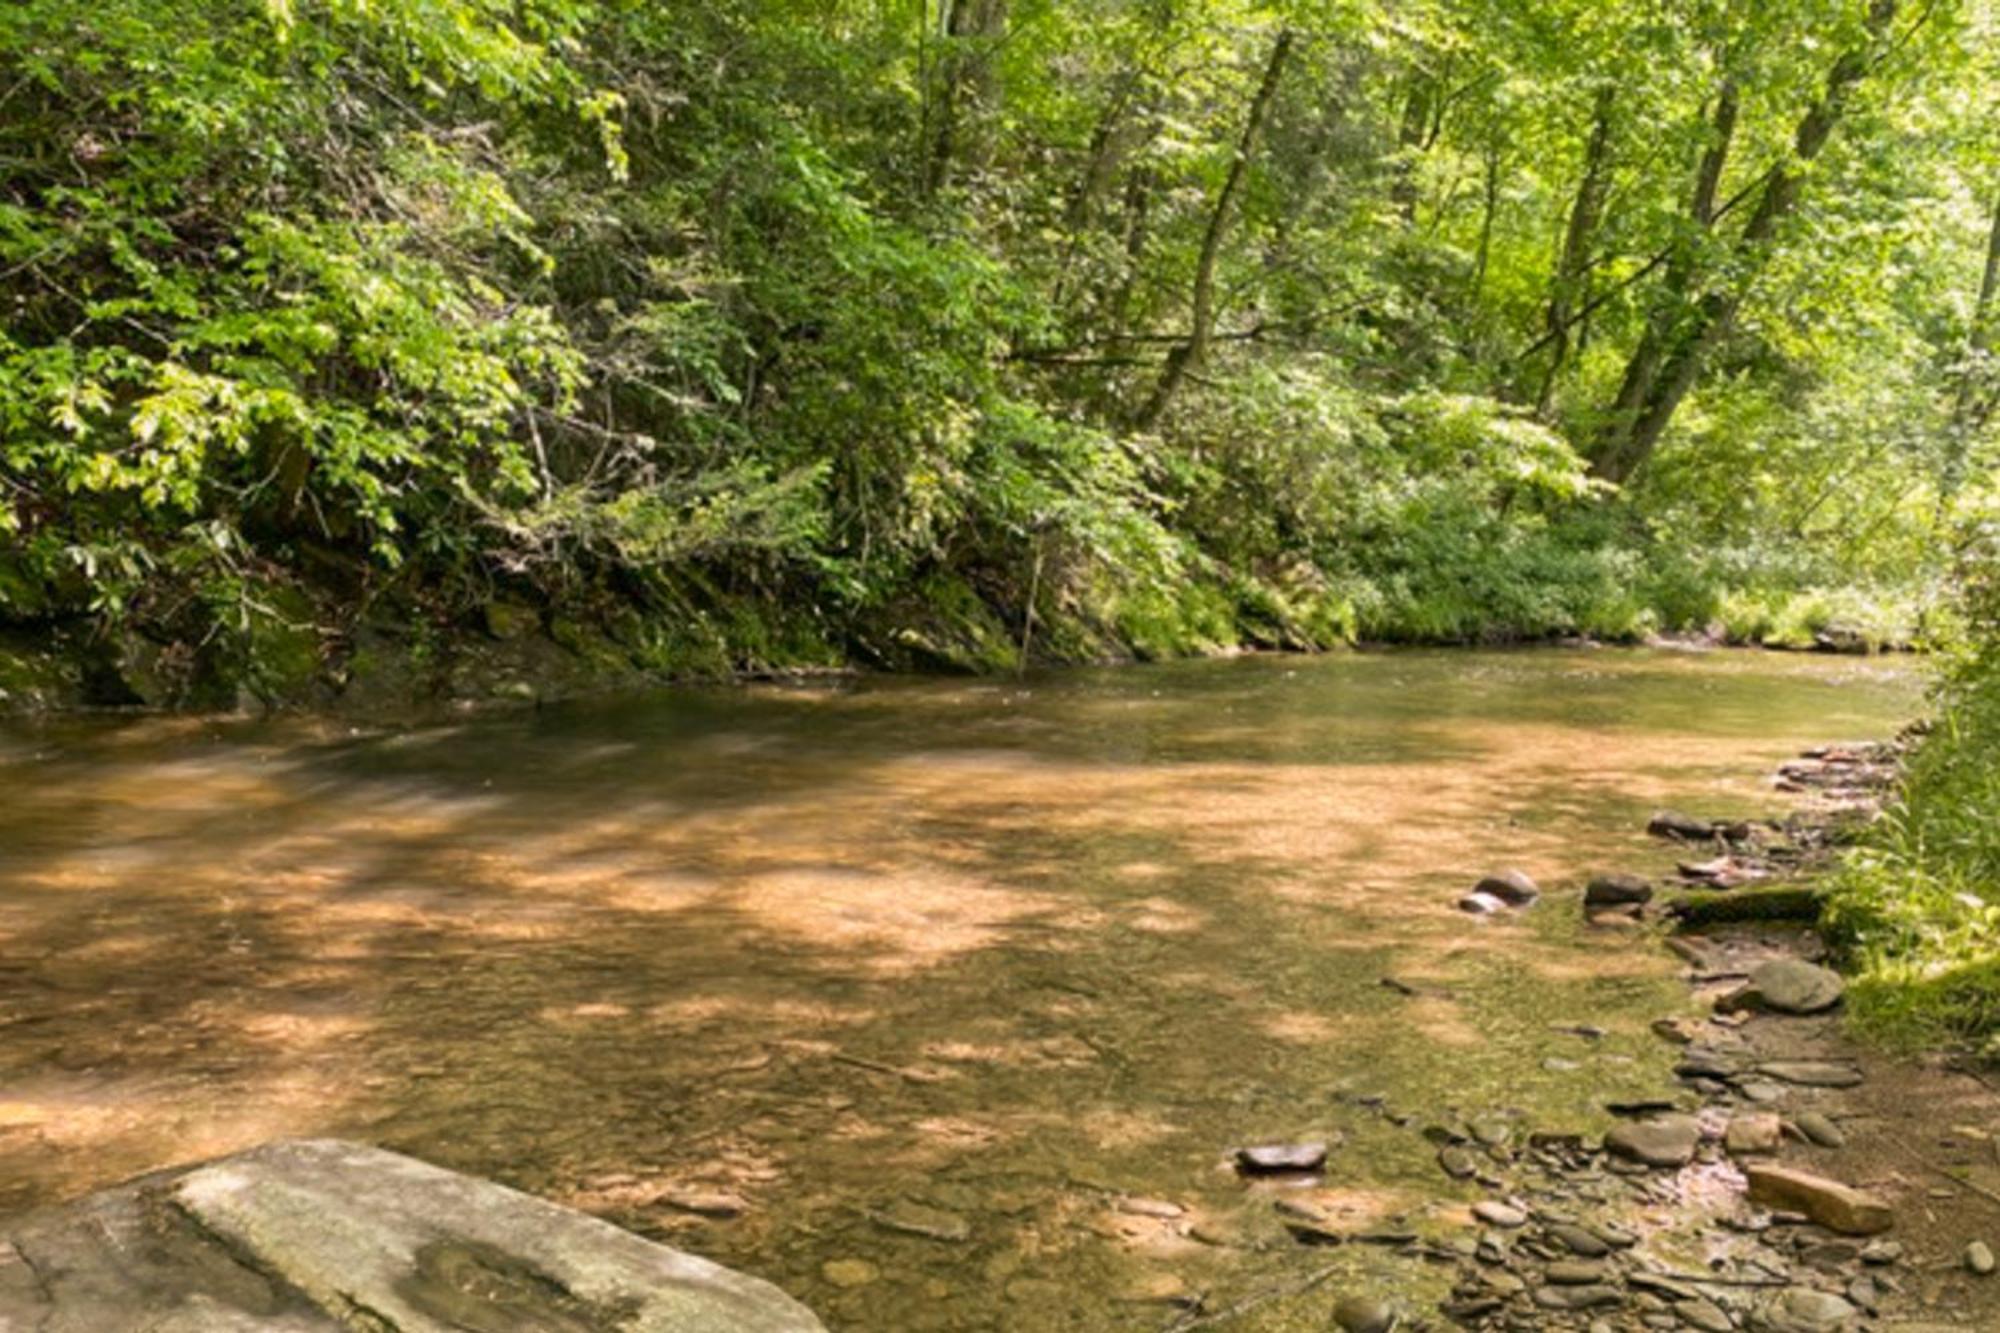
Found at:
(1970, 409)
(1685, 327)
(1573, 266)
(964, 84)
(1187, 356)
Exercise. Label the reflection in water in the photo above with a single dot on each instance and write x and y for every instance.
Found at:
(968, 982)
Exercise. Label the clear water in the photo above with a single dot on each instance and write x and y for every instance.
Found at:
(982, 957)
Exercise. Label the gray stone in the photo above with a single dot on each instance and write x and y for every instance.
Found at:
(1617, 891)
(1674, 824)
(1812, 1073)
(297, 1236)
(1880, 1252)
(1276, 1158)
(1794, 986)
(1481, 904)
(1574, 1273)
(1512, 887)
(1578, 1241)
(1668, 1141)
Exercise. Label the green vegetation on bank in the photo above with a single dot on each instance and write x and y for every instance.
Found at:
(1917, 905)
(345, 338)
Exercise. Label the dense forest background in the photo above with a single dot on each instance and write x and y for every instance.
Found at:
(755, 333)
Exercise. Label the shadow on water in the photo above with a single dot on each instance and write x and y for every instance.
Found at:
(924, 975)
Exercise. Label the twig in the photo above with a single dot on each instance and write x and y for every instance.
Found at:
(1193, 1319)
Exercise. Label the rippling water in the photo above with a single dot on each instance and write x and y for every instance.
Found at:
(977, 959)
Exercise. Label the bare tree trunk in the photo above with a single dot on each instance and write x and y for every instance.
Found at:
(1188, 355)
(1970, 409)
(1573, 266)
(1686, 327)
(1489, 209)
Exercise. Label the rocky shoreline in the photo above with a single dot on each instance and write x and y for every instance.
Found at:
(1744, 1198)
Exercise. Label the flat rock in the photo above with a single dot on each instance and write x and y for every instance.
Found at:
(1667, 1141)
(1513, 887)
(1794, 986)
(1617, 890)
(1278, 1158)
(297, 1236)
(1835, 1206)
(1578, 1240)
(1812, 1073)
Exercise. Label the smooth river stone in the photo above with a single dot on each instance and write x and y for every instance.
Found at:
(1276, 1158)
(1803, 1310)
(1668, 1141)
(1512, 887)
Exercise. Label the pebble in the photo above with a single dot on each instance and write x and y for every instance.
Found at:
(1574, 1273)
(1494, 1213)
(1979, 1258)
(1881, 1252)
(1577, 1298)
(1617, 891)
(1803, 1310)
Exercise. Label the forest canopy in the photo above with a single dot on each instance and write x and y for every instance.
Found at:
(758, 333)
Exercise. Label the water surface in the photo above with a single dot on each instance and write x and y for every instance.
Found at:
(885, 958)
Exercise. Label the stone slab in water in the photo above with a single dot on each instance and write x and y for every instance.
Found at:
(321, 1236)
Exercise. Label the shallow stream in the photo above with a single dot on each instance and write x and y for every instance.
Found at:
(924, 981)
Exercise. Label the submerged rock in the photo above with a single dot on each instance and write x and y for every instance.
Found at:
(1513, 887)
(1481, 904)
(299, 1235)
(1279, 1158)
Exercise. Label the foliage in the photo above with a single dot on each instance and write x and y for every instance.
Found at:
(756, 333)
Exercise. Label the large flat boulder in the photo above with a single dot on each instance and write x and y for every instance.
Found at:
(314, 1236)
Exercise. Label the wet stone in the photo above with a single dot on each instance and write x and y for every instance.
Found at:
(1502, 1215)
(1279, 1158)
(1574, 1273)
(1513, 887)
(1481, 904)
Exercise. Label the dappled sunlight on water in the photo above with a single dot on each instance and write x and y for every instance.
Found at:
(1003, 952)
